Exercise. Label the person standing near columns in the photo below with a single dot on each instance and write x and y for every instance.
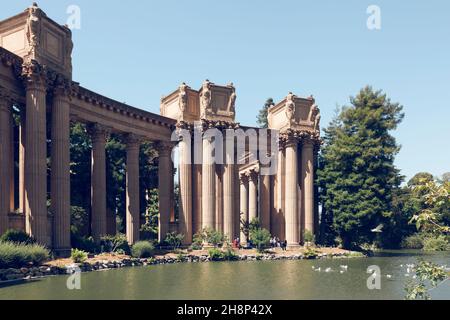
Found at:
(99, 135)
(164, 188)
(60, 168)
(253, 195)
(5, 158)
(291, 204)
(36, 216)
(244, 219)
(308, 184)
(132, 189)
(186, 187)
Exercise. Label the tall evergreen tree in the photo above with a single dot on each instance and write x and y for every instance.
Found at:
(357, 170)
(261, 119)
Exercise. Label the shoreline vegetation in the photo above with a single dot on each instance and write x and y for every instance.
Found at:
(110, 261)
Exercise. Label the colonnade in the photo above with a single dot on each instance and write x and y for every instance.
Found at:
(54, 97)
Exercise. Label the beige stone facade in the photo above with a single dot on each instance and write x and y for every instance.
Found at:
(221, 185)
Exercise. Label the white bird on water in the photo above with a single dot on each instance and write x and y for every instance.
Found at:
(317, 270)
(328, 270)
(389, 276)
(344, 267)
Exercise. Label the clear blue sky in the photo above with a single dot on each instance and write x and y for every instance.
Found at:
(137, 51)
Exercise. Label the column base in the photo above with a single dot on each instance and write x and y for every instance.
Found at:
(294, 245)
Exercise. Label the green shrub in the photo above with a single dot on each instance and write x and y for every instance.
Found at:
(414, 241)
(142, 249)
(174, 240)
(16, 255)
(78, 256)
(229, 255)
(115, 243)
(17, 236)
(309, 237)
(310, 253)
(215, 254)
(438, 243)
(260, 238)
(197, 241)
(84, 243)
(213, 237)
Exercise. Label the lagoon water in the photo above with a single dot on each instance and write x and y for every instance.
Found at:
(239, 280)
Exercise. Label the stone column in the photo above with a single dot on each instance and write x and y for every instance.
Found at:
(244, 205)
(36, 215)
(308, 184)
(253, 196)
(132, 189)
(164, 188)
(60, 170)
(99, 136)
(278, 221)
(185, 174)
(228, 195)
(208, 185)
(292, 213)
(5, 165)
(265, 207)
(22, 136)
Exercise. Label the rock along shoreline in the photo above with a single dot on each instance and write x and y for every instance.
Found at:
(13, 275)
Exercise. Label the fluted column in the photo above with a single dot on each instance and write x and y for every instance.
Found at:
(99, 136)
(60, 170)
(5, 165)
(164, 189)
(265, 207)
(228, 193)
(36, 216)
(278, 222)
(253, 196)
(186, 187)
(308, 184)
(291, 204)
(132, 189)
(22, 136)
(244, 205)
(208, 184)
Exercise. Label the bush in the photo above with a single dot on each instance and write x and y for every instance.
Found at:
(310, 253)
(142, 249)
(115, 243)
(260, 238)
(215, 254)
(78, 256)
(414, 241)
(16, 255)
(229, 255)
(84, 243)
(309, 237)
(197, 241)
(216, 238)
(174, 240)
(17, 236)
(439, 243)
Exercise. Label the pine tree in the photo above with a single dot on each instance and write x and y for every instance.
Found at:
(357, 169)
(261, 119)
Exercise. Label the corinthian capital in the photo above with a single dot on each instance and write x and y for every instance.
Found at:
(34, 75)
(98, 132)
(164, 148)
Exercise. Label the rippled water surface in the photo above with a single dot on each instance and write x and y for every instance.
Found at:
(239, 280)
